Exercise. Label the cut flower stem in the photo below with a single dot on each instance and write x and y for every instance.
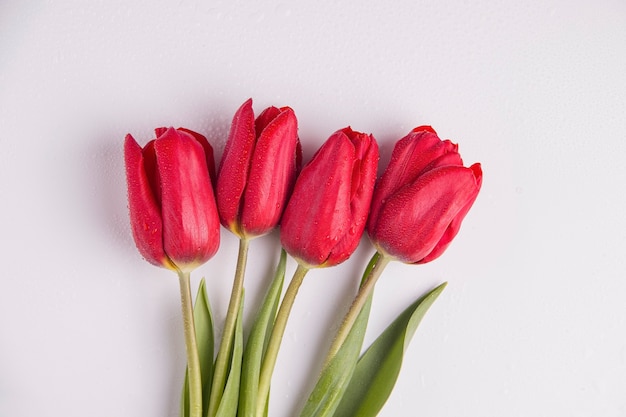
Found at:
(193, 358)
(269, 361)
(223, 355)
(379, 261)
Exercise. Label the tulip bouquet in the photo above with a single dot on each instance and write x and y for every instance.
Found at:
(177, 202)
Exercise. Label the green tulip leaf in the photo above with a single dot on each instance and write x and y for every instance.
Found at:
(204, 338)
(335, 377)
(184, 397)
(230, 398)
(257, 342)
(378, 369)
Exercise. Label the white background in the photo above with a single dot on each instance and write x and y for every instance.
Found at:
(533, 321)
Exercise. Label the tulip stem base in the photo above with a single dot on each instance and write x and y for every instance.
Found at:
(193, 358)
(269, 361)
(223, 355)
(379, 263)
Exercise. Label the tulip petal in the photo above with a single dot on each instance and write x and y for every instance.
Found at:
(272, 175)
(190, 224)
(235, 166)
(208, 151)
(447, 159)
(152, 172)
(423, 128)
(318, 213)
(412, 156)
(453, 228)
(145, 215)
(266, 117)
(412, 222)
(363, 178)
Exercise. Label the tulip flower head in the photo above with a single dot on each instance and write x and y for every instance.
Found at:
(258, 169)
(326, 214)
(422, 197)
(173, 214)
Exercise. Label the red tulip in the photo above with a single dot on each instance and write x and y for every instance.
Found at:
(327, 212)
(172, 206)
(258, 169)
(422, 197)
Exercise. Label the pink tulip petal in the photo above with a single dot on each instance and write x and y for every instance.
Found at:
(412, 222)
(318, 213)
(145, 216)
(455, 225)
(411, 157)
(272, 175)
(190, 224)
(235, 166)
(265, 118)
(208, 151)
(152, 172)
(363, 178)
(424, 128)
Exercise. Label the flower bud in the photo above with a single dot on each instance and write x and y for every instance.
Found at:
(421, 198)
(327, 212)
(258, 169)
(172, 207)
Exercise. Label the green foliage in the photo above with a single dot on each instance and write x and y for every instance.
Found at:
(228, 403)
(378, 369)
(257, 342)
(336, 375)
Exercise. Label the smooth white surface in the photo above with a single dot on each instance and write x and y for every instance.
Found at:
(533, 320)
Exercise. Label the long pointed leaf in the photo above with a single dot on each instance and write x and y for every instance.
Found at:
(184, 397)
(335, 377)
(377, 370)
(203, 321)
(257, 342)
(228, 404)
(205, 339)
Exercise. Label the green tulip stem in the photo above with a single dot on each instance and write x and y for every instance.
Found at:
(223, 355)
(273, 346)
(193, 358)
(367, 286)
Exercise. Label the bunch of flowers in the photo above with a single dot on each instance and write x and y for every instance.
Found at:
(177, 202)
